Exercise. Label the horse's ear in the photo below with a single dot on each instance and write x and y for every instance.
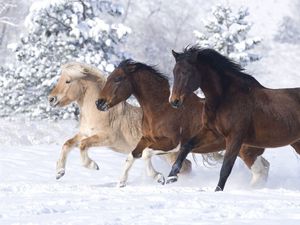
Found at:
(85, 71)
(130, 68)
(175, 54)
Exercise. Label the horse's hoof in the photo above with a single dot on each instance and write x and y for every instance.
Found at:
(60, 173)
(121, 184)
(161, 179)
(93, 166)
(172, 179)
(218, 189)
(96, 167)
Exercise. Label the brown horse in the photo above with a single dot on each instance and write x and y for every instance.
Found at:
(237, 106)
(163, 127)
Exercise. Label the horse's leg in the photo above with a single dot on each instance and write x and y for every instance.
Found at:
(171, 159)
(258, 165)
(95, 140)
(147, 154)
(296, 146)
(136, 153)
(183, 152)
(233, 145)
(61, 162)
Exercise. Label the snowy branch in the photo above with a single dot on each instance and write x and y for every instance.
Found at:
(5, 20)
(4, 7)
(84, 9)
(57, 20)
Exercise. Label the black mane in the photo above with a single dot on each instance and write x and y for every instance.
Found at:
(217, 61)
(131, 66)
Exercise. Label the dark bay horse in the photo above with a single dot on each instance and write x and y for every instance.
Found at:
(163, 127)
(237, 106)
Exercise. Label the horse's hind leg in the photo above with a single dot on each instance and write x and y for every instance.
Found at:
(61, 162)
(151, 172)
(258, 165)
(296, 146)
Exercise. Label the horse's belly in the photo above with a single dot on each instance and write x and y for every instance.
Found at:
(270, 137)
(157, 151)
(164, 146)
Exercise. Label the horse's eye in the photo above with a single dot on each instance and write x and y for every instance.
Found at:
(118, 79)
(68, 81)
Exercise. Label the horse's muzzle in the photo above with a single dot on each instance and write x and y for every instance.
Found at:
(102, 105)
(176, 103)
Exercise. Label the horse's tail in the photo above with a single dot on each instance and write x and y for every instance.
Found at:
(195, 158)
(212, 159)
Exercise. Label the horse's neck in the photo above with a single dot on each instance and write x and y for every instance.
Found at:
(213, 90)
(90, 94)
(151, 93)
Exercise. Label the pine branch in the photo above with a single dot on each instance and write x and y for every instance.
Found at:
(57, 20)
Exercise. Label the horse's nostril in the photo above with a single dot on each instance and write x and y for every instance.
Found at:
(102, 105)
(52, 99)
(175, 103)
(98, 102)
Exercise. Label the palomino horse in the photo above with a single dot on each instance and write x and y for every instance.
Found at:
(164, 128)
(237, 106)
(119, 128)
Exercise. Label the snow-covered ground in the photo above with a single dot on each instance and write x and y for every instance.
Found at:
(29, 193)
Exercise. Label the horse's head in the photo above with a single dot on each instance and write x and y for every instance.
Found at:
(185, 79)
(68, 88)
(117, 88)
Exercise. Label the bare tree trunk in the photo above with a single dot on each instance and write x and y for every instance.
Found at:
(3, 30)
(126, 11)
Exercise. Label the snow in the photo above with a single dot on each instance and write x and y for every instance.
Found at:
(29, 193)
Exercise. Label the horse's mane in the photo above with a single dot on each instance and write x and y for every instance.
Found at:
(218, 62)
(77, 67)
(131, 66)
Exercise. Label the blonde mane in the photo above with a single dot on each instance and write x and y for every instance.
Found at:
(79, 69)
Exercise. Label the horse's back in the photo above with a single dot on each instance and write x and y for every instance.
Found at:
(278, 99)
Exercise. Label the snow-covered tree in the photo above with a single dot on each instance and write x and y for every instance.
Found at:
(59, 31)
(288, 31)
(227, 32)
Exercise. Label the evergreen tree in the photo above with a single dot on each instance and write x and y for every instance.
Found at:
(227, 32)
(57, 32)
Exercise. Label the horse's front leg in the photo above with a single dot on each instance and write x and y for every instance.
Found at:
(186, 164)
(147, 154)
(233, 145)
(67, 147)
(185, 149)
(95, 140)
(135, 154)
